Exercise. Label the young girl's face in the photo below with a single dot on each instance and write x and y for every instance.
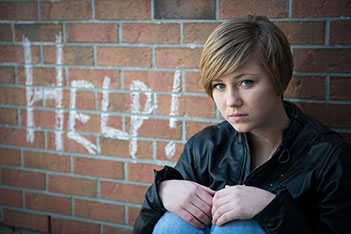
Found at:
(247, 99)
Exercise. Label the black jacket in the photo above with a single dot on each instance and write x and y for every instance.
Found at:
(310, 173)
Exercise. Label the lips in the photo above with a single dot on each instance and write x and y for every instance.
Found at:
(237, 117)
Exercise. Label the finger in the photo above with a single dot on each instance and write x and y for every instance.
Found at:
(219, 209)
(198, 212)
(226, 217)
(208, 190)
(187, 216)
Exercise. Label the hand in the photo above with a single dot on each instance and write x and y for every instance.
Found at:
(187, 199)
(238, 202)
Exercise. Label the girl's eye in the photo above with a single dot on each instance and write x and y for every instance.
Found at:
(246, 83)
(218, 86)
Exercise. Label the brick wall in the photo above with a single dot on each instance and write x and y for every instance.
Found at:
(95, 94)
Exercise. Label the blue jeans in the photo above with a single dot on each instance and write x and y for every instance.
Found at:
(173, 224)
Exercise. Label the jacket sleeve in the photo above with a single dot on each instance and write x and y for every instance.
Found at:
(332, 212)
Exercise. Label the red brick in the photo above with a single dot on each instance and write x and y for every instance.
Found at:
(95, 76)
(46, 161)
(193, 127)
(48, 203)
(51, 102)
(26, 220)
(332, 115)
(5, 32)
(18, 11)
(10, 197)
(13, 136)
(303, 32)
(133, 213)
(98, 167)
(13, 96)
(194, 106)
(161, 151)
(94, 123)
(72, 185)
(8, 116)
(99, 210)
(20, 178)
(164, 103)
(183, 9)
(322, 60)
(65, 226)
(42, 118)
(15, 54)
(117, 102)
(37, 32)
(7, 75)
(310, 87)
(69, 144)
(340, 88)
(123, 10)
(231, 8)
(72, 55)
(10, 157)
(159, 128)
(92, 32)
(120, 148)
(124, 56)
(340, 32)
(41, 76)
(151, 33)
(123, 192)
(193, 82)
(84, 100)
(67, 10)
(198, 32)
(112, 230)
(320, 8)
(142, 172)
(155, 80)
(178, 57)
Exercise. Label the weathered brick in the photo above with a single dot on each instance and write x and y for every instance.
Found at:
(10, 157)
(155, 80)
(151, 33)
(13, 136)
(322, 60)
(26, 220)
(303, 32)
(67, 10)
(92, 32)
(72, 55)
(120, 9)
(142, 172)
(13, 96)
(159, 128)
(46, 161)
(112, 230)
(164, 104)
(42, 118)
(62, 226)
(193, 127)
(15, 54)
(340, 32)
(7, 75)
(41, 75)
(178, 57)
(124, 56)
(133, 213)
(8, 116)
(121, 148)
(194, 106)
(95, 76)
(99, 210)
(18, 11)
(84, 99)
(193, 82)
(94, 123)
(310, 87)
(325, 113)
(182, 9)
(123, 192)
(72, 185)
(37, 32)
(340, 88)
(117, 102)
(10, 197)
(161, 151)
(98, 167)
(48, 203)
(231, 8)
(321, 8)
(5, 32)
(69, 144)
(198, 32)
(21, 178)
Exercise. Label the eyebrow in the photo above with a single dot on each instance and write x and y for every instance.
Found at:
(238, 76)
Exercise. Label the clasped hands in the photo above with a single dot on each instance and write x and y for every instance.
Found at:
(200, 205)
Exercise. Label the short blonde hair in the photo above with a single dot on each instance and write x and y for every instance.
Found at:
(231, 44)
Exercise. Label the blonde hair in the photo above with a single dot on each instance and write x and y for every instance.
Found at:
(231, 44)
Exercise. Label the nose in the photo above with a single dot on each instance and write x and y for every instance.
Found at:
(233, 98)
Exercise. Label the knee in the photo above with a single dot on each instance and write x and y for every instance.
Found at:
(240, 226)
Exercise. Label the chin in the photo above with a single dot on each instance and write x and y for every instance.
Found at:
(240, 127)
